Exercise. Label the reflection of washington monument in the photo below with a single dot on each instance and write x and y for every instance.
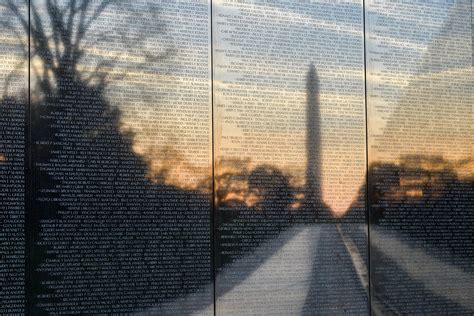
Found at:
(313, 142)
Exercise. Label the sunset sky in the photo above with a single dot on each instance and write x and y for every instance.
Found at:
(419, 85)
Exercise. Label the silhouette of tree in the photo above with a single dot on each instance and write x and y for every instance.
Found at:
(231, 182)
(272, 189)
(58, 35)
(422, 196)
(252, 203)
(384, 179)
(86, 176)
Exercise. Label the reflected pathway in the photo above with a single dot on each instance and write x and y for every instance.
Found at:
(308, 271)
(322, 270)
(419, 272)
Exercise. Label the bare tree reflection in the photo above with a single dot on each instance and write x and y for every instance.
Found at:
(271, 188)
(422, 196)
(91, 190)
(420, 191)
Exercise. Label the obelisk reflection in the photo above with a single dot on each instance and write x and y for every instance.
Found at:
(313, 144)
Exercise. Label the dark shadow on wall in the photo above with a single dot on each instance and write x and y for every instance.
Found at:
(103, 238)
(419, 206)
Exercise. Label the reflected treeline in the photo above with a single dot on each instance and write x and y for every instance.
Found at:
(87, 176)
(97, 225)
(425, 197)
(92, 196)
(256, 204)
(100, 226)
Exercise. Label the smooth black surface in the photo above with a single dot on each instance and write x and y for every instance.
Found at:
(220, 157)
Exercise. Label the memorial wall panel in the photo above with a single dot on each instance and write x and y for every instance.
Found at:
(121, 127)
(289, 157)
(236, 157)
(13, 109)
(419, 99)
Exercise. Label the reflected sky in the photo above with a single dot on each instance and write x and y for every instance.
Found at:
(158, 73)
(420, 99)
(162, 83)
(262, 56)
(13, 53)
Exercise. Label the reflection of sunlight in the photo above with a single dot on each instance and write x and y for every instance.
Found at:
(287, 150)
(261, 94)
(465, 169)
(7, 39)
(168, 165)
(414, 193)
(417, 178)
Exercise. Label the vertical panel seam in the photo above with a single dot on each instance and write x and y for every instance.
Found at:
(213, 206)
(367, 199)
